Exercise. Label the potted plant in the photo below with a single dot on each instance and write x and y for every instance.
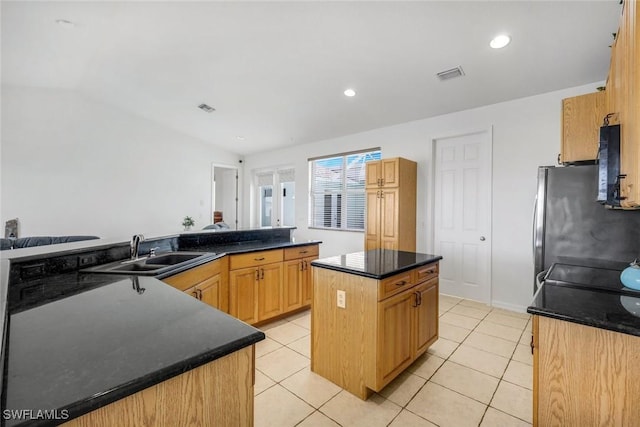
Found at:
(187, 223)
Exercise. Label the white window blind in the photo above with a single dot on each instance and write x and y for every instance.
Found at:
(337, 190)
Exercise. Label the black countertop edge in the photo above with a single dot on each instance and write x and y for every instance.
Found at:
(614, 327)
(240, 249)
(109, 396)
(320, 264)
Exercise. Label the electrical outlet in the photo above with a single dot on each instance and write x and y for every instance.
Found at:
(342, 299)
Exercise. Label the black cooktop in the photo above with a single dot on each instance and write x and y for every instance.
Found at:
(604, 277)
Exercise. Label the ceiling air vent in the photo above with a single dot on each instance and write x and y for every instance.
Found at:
(206, 108)
(450, 74)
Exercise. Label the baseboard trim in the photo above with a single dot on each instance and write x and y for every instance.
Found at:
(509, 306)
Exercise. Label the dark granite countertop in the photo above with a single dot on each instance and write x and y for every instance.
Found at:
(591, 296)
(110, 338)
(590, 307)
(376, 263)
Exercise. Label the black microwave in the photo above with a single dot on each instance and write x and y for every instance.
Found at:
(609, 166)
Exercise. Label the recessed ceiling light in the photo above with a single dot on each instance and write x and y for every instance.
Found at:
(500, 41)
(65, 24)
(350, 92)
(240, 138)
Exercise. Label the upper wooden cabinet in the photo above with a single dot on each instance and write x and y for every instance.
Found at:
(623, 98)
(385, 172)
(582, 117)
(390, 216)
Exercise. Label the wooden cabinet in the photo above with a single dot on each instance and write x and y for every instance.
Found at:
(297, 276)
(384, 173)
(385, 325)
(584, 376)
(209, 283)
(256, 285)
(218, 393)
(390, 215)
(623, 98)
(582, 117)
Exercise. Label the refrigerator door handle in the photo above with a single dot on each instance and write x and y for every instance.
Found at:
(533, 231)
(540, 279)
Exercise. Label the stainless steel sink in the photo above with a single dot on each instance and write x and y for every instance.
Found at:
(153, 266)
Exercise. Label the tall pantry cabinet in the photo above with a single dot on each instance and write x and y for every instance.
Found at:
(390, 217)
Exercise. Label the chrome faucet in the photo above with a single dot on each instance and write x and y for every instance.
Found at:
(135, 245)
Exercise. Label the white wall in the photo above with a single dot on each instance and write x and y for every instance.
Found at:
(526, 134)
(71, 165)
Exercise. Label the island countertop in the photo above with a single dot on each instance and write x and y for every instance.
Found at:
(376, 263)
(108, 341)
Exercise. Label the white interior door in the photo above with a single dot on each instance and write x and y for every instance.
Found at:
(462, 214)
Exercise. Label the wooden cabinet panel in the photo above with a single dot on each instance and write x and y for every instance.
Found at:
(293, 271)
(426, 272)
(395, 351)
(582, 117)
(372, 220)
(209, 291)
(390, 213)
(426, 322)
(584, 376)
(623, 97)
(243, 294)
(270, 289)
(254, 259)
(394, 285)
(301, 252)
(297, 283)
(218, 393)
(209, 283)
(307, 281)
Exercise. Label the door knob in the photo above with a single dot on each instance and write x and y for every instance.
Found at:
(482, 239)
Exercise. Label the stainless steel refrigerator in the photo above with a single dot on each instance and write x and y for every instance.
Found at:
(569, 225)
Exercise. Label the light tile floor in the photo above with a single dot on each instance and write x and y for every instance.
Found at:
(479, 373)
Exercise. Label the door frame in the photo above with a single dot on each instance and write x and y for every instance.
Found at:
(431, 208)
(238, 190)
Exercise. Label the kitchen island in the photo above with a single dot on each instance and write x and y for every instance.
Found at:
(373, 314)
(586, 347)
(127, 351)
(113, 349)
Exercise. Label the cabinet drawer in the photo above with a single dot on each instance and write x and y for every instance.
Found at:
(300, 252)
(394, 285)
(254, 259)
(192, 277)
(426, 272)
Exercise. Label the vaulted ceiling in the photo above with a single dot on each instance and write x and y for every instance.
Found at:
(275, 71)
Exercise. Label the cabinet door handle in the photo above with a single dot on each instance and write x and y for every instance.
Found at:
(431, 271)
(303, 252)
(531, 344)
(420, 298)
(381, 194)
(417, 295)
(301, 265)
(401, 283)
(195, 294)
(200, 294)
(259, 259)
(262, 273)
(257, 274)
(306, 265)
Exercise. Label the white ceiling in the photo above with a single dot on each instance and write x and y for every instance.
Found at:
(275, 71)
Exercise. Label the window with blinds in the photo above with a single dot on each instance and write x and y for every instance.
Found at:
(337, 190)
